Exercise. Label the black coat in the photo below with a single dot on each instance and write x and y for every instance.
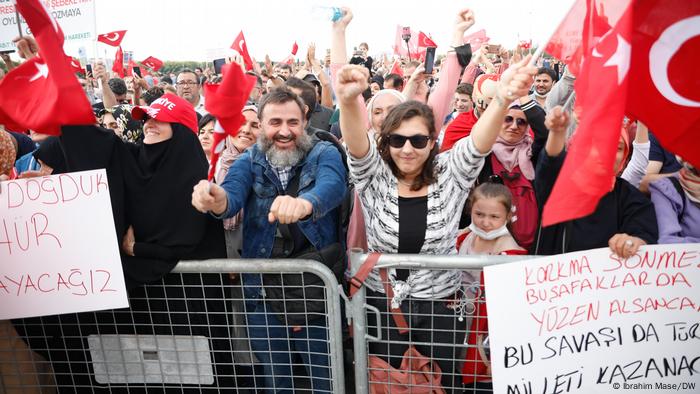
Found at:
(622, 210)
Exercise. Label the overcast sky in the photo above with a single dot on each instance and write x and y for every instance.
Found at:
(190, 30)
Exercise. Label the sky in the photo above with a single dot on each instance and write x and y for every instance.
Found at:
(201, 30)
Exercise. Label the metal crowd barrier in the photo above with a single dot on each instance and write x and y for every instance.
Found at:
(437, 322)
(187, 333)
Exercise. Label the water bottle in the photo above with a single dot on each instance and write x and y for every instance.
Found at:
(326, 13)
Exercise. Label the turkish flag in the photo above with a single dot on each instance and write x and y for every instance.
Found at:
(43, 93)
(75, 64)
(476, 39)
(665, 94)
(582, 28)
(602, 87)
(295, 48)
(240, 46)
(118, 66)
(225, 101)
(113, 38)
(424, 41)
(152, 63)
(396, 68)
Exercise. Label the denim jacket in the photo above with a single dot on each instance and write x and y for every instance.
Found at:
(252, 184)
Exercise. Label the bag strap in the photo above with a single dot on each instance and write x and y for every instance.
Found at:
(358, 281)
(286, 242)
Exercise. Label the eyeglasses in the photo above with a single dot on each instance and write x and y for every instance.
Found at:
(417, 141)
(520, 122)
(186, 83)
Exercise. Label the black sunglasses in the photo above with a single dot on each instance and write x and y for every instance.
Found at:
(520, 122)
(417, 141)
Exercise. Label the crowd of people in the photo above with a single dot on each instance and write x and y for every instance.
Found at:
(337, 153)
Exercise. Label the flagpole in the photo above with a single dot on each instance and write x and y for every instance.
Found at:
(19, 25)
(569, 100)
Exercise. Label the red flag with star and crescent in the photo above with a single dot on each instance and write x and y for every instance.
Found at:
(152, 63)
(239, 45)
(588, 173)
(295, 48)
(112, 38)
(424, 41)
(225, 101)
(476, 39)
(42, 94)
(665, 94)
(75, 64)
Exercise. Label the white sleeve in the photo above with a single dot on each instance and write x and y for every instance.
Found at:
(637, 167)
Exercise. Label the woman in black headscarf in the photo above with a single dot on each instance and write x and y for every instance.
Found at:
(153, 180)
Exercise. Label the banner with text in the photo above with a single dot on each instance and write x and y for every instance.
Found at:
(76, 17)
(58, 248)
(591, 322)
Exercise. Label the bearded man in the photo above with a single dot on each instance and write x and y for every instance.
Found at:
(290, 186)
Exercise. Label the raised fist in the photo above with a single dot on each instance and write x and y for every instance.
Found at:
(351, 82)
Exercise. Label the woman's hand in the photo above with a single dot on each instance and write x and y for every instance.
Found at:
(344, 21)
(625, 245)
(351, 82)
(464, 20)
(128, 241)
(557, 121)
(515, 82)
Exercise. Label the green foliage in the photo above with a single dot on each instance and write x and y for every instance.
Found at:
(175, 67)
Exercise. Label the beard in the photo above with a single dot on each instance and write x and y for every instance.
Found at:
(285, 157)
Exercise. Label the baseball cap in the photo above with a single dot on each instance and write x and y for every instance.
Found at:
(168, 108)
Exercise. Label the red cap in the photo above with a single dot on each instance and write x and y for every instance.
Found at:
(169, 108)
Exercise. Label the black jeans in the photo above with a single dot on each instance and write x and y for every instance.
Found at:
(434, 330)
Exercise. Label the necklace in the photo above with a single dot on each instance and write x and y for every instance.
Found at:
(401, 181)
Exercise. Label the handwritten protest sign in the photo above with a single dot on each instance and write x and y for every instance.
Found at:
(591, 322)
(76, 17)
(58, 248)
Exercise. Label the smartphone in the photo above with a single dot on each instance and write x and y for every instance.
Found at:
(405, 33)
(6, 52)
(429, 60)
(88, 69)
(493, 48)
(218, 65)
(137, 71)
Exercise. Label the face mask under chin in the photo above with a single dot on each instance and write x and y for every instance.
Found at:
(489, 235)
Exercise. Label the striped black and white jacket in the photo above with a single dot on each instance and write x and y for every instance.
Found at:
(377, 188)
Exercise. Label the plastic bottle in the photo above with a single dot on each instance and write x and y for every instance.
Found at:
(322, 12)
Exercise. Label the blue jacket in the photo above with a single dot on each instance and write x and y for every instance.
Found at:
(252, 184)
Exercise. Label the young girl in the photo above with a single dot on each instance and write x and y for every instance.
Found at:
(489, 233)
(491, 213)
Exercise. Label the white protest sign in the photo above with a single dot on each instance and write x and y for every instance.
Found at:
(591, 322)
(58, 248)
(76, 18)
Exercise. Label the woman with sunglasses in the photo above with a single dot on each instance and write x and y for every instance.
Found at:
(410, 196)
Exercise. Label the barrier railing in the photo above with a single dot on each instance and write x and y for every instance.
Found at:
(198, 330)
(379, 346)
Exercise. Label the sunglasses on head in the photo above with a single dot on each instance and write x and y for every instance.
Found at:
(520, 122)
(417, 141)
